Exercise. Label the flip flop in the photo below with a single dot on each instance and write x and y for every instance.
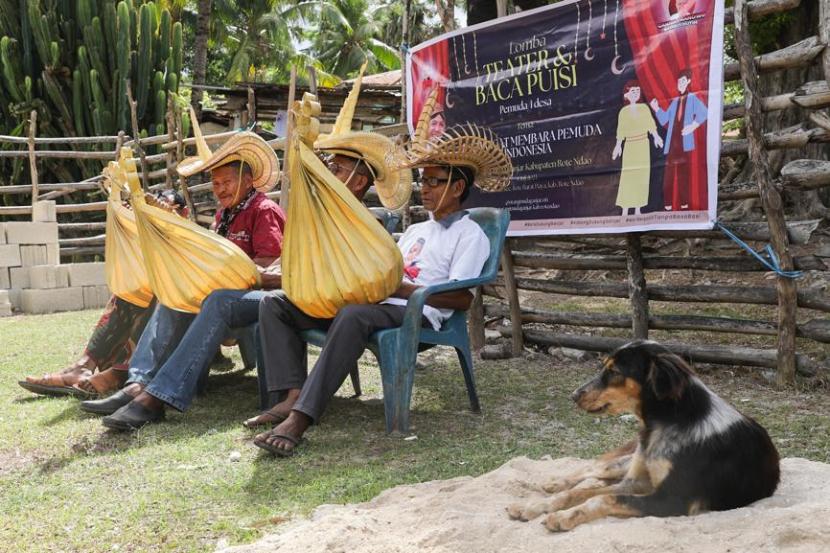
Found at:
(279, 452)
(45, 390)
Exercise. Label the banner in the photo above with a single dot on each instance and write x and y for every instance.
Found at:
(609, 109)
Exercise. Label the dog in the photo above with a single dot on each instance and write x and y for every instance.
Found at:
(694, 453)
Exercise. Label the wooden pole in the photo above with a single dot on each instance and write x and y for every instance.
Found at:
(171, 136)
(145, 184)
(824, 36)
(501, 8)
(406, 215)
(33, 158)
(770, 198)
(312, 79)
(476, 321)
(637, 286)
(179, 157)
(289, 130)
(513, 299)
(251, 107)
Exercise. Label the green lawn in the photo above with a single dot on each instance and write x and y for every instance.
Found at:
(67, 485)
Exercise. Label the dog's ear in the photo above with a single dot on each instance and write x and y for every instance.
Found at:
(668, 376)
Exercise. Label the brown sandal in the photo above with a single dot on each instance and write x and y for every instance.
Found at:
(265, 418)
(55, 384)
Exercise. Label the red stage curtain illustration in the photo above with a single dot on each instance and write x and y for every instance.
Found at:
(658, 58)
(430, 68)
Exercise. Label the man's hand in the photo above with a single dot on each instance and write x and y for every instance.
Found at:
(459, 300)
(270, 275)
(690, 128)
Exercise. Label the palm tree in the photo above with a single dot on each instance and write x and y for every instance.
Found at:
(390, 15)
(346, 37)
(200, 52)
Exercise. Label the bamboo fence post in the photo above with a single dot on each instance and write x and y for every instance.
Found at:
(191, 209)
(136, 140)
(289, 130)
(501, 8)
(33, 158)
(513, 298)
(637, 286)
(770, 198)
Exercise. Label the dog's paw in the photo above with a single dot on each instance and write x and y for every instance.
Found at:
(526, 511)
(558, 522)
(557, 485)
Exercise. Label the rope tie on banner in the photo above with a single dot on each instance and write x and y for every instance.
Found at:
(771, 262)
(404, 47)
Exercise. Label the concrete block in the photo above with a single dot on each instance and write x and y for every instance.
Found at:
(19, 277)
(42, 277)
(53, 254)
(14, 297)
(96, 297)
(4, 297)
(44, 212)
(2, 233)
(31, 233)
(62, 275)
(51, 301)
(5, 310)
(10, 255)
(5, 280)
(87, 274)
(32, 255)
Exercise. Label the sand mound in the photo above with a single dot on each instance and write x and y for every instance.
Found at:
(467, 515)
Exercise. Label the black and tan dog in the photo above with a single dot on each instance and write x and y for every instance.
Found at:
(695, 452)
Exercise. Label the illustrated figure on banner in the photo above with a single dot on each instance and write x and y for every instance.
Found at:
(684, 115)
(634, 124)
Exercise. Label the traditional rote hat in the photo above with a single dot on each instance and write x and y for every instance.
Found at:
(247, 147)
(466, 145)
(394, 186)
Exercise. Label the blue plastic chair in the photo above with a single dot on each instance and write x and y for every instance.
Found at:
(397, 348)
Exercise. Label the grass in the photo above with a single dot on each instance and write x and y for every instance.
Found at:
(67, 485)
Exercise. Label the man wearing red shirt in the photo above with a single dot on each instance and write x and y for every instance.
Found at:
(248, 219)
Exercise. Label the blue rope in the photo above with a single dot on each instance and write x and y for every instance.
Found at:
(773, 263)
(404, 47)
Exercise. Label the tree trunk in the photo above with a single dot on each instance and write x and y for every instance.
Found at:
(446, 13)
(200, 53)
(481, 10)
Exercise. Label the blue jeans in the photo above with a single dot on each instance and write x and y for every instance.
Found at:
(177, 378)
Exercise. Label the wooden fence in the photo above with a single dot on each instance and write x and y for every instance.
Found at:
(572, 258)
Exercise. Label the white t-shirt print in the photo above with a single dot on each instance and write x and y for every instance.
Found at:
(435, 253)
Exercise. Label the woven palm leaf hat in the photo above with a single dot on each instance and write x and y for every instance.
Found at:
(247, 147)
(466, 145)
(393, 186)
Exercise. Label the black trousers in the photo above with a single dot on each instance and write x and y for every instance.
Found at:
(284, 352)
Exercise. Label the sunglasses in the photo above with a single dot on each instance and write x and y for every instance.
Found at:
(336, 168)
(434, 182)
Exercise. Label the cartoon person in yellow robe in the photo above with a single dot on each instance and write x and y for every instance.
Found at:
(635, 122)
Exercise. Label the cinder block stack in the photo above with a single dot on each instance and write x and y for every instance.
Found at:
(31, 277)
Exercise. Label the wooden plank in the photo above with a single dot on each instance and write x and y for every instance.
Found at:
(726, 355)
(32, 158)
(476, 321)
(800, 54)
(285, 184)
(770, 198)
(742, 263)
(811, 298)
(816, 329)
(761, 8)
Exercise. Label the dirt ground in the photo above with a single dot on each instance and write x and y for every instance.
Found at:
(468, 515)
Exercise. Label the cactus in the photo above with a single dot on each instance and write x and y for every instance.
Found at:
(145, 57)
(71, 60)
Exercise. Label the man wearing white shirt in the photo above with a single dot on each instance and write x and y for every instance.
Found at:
(449, 246)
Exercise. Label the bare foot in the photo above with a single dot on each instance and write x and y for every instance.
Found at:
(293, 427)
(67, 377)
(275, 414)
(104, 382)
